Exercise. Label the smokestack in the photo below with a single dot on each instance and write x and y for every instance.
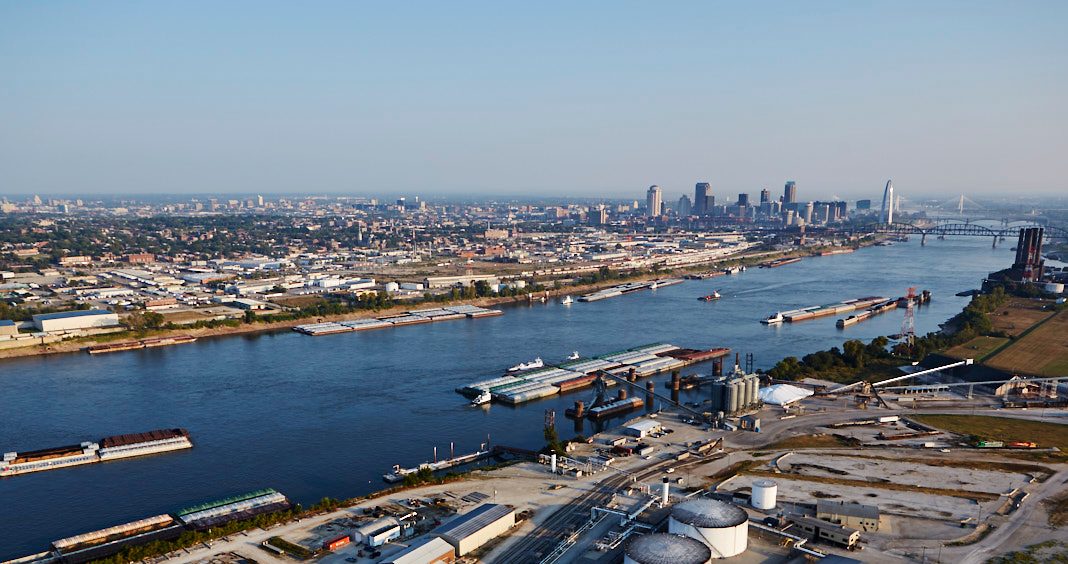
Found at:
(666, 493)
(623, 393)
(552, 463)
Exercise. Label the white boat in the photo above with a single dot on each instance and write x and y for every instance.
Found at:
(536, 363)
(574, 356)
(773, 319)
(567, 300)
(654, 286)
(483, 398)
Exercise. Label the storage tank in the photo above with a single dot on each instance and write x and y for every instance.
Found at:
(756, 390)
(660, 548)
(723, 527)
(764, 494)
(737, 389)
(750, 389)
(717, 396)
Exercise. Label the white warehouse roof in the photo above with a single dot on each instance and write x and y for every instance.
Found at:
(783, 394)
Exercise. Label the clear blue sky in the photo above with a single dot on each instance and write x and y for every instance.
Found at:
(569, 98)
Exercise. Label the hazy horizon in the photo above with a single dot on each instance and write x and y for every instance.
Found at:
(554, 100)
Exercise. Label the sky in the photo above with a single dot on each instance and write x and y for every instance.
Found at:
(590, 99)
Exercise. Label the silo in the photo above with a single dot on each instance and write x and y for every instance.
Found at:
(729, 399)
(660, 548)
(717, 396)
(722, 527)
(750, 390)
(736, 395)
(764, 494)
(755, 398)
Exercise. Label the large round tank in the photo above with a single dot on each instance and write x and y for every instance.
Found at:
(723, 527)
(660, 548)
(764, 493)
(717, 396)
(750, 390)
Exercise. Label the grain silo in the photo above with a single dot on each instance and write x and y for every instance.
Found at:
(660, 548)
(723, 527)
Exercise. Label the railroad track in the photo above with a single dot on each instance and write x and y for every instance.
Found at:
(545, 537)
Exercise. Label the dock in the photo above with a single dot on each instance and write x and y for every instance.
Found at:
(628, 288)
(643, 361)
(413, 317)
(398, 473)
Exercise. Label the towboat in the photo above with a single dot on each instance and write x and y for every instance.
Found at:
(711, 297)
(573, 356)
(482, 398)
(567, 300)
(773, 319)
(536, 363)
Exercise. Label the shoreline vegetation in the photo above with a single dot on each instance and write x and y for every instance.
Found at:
(143, 325)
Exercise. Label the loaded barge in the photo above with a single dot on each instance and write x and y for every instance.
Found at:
(780, 262)
(142, 344)
(813, 312)
(638, 362)
(902, 302)
(108, 448)
(398, 473)
(407, 318)
(629, 288)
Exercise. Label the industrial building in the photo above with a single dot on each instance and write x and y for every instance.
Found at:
(642, 428)
(736, 392)
(8, 327)
(433, 551)
(72, 320)
(820, 530)
(662, 548)
(855, 515)
(722, 527)
(477, 527)
(378, 532)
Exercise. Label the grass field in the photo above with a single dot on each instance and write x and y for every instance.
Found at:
(1018, 315)
(976, 348)
(1043, 351)
(1000, 428)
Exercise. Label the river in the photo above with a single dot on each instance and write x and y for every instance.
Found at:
(327, 416)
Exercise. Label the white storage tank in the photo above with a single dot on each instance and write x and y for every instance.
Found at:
(660, 548)
(391, 287)
(723, 527)
(764, 494)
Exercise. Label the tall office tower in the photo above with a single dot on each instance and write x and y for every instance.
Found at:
(259, 201)
(765, 196)
(653, 201)
(789, 194)
(684, 208)
(808, 212)
(701, 192)
(863, 204)
(743, 199)
(887, 211)
(598, 215)
(842, 209)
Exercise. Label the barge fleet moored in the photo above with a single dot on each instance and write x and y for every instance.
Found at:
(142, 344)
(108, 448)
(812, 312)
(628, 288)
(407, 318)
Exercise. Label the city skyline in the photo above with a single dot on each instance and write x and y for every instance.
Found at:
(557, 101)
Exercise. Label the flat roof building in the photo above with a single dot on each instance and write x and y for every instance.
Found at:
(433, 551)
(641, 428)
(8, 327)
(72, 320)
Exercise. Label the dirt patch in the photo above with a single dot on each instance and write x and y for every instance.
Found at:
(820, 440)
(1057, 507)
(976, 496)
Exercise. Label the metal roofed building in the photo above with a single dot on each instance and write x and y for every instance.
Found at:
(433, 551)
(477, 527)
(855, 515)
(642, 428)
(81, 319)
(8, 327)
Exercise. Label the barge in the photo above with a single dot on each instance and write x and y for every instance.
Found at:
(867, 314)
(215, 513)
(780, 262)
(413, 317)
(846, 306)
(398, 473)
(628, 288)
(87, 452)
(142, 344)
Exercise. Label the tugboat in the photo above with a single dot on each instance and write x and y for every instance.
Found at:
(536, 363)
(711, 297)
(574, 355)
(567, 300)
(773, 319)
(483, 398)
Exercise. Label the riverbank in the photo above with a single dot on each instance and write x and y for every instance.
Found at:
(261, 327)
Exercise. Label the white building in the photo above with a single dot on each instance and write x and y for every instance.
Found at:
(71, 320)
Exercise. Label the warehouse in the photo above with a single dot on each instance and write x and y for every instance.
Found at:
(479, 526)
(8, 327)
(433, 551)
(378, 532)
(71, 320)
(642, 429)
(820, 530)
(855, 515)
